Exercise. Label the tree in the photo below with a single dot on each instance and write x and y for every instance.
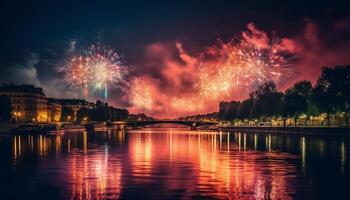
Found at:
(293, 105)
(312, 110)
(245, 110)
(223, 109)
(263, 89)
(303, 88)
(123, 114)
(340, 88)
(331, 92)
(118, 114)
(232, 110)
(83, 113)
(101, 112)
(297, 100)
(266, 100)
(67, 114)
(5, 108)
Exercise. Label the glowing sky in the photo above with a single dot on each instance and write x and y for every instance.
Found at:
(174, 54)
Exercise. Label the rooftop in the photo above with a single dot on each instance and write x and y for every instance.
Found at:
(24, 88)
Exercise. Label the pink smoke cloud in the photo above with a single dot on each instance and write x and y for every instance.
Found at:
(314, 53)
(168, 82)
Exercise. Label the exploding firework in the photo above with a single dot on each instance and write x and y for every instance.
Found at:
(141, 96)
(242, 67)
(106, 68)
(97, 68)
(77, 72)
(215, 83)
(260, 65)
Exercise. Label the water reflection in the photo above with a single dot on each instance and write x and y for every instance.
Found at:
(203, 164)
(342, 157)
(174, 164)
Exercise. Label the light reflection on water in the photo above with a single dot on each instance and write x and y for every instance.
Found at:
(172, 164)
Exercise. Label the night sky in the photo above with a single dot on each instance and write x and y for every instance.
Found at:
(36, 37)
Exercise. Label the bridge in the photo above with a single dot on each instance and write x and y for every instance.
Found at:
(192, 124)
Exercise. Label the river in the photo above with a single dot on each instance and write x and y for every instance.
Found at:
(173, 164)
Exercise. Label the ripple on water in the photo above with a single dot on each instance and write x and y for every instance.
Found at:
(172, 164)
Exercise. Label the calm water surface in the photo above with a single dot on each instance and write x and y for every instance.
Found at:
(173, 164)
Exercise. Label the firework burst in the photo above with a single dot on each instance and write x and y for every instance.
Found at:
(141, 96)
(241, 67)
(106, 68)
(76, 72)
(98, 68)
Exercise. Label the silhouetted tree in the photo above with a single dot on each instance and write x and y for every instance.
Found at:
(139, 117)
(294, 105)
(245, 110)
(303, 88)
(223, 109)
(117, 114)
(339, 88)
(331, 92)
(232, 110)
(5, 108)
(297, 100)
(330, 95)
(312, 110)
(102, 112)
(67, 114)
(82, 113)
(267, 100)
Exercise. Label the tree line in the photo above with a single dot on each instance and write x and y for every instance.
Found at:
(101, 112)
(330, 95)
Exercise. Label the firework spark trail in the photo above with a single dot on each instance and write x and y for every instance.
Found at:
(227, 71)
(141, 95)
(77, 72)
(238, 68)
(106, 68)
(98, 68)
(242, 67)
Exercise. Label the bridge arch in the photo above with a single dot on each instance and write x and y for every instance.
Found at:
(191, 124)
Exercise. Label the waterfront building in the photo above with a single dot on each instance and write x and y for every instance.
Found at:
(54, 109)
(28, 103)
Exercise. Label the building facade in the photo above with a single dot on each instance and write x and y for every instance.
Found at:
(54, 109)
(28, 103)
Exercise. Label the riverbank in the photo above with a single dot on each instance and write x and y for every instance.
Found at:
(8, 127)
(39, 128)
(316, 131)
